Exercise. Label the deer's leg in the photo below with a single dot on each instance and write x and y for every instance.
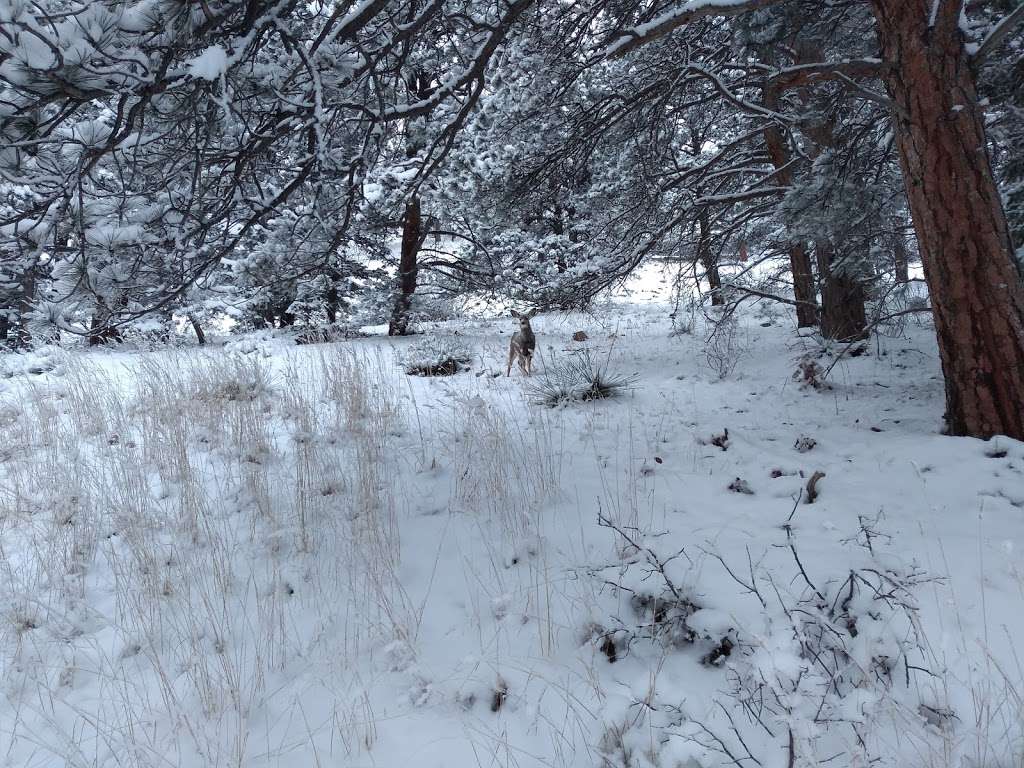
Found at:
(511, 357)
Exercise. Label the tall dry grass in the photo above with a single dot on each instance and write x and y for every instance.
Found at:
(181, 532)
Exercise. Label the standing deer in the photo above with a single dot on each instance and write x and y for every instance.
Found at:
(522, 345)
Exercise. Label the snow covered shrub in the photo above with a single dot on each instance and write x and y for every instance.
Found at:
(662, 603)
(804, 444)
(810, 374)
(830, 662)
(329, 334)
(812, 668)
(258, 343)
(35, 362)
(232, 379)
(436, 356)
(578, 377)
(724, 347)
(684, 318)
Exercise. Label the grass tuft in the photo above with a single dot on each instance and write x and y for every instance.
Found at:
(578, 378)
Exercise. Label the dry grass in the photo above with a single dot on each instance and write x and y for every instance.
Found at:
(178, 538)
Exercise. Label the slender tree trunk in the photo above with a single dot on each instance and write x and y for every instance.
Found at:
(900, 259)
(198, 328)
(23, 334)
(843, 316)
(564, 302)
(974, 280)
(331, 304)
(420, 84)
(707, 258)
(803, 286)
(408, 268)
(799, 259)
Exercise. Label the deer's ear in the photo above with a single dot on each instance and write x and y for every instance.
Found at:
(516, 314)
(530, 315)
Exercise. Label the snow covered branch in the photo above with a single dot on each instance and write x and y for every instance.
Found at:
(669, 21)
(1003, 29)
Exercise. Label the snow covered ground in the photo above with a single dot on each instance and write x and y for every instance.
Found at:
(266, 554)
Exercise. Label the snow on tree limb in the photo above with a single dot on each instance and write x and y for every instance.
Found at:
(670, 20)
(999, 33)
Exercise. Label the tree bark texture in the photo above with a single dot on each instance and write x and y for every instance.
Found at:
(974, 280)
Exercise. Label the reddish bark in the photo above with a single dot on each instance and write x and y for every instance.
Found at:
(974, 281)
(843, 316)
(102, 333)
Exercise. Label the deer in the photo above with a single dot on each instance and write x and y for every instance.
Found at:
(522, 345)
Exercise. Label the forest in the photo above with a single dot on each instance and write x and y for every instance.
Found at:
(169, 159)
(449, 382)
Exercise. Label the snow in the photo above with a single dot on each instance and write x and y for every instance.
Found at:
(676, 16)
(264, 554)
(210, 64)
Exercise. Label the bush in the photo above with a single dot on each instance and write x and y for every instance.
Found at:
(328, 334)
(723, 348)
(436, 356)
(816, 667)
(810, 375)
(31, 362)
(578, 378)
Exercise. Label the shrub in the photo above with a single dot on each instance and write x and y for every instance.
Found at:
(724, 347)
(436, 356)
(810, 375)
(31, 362)
(578, 378)
(328, 334)
(814, 668)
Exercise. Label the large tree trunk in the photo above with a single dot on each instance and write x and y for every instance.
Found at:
(975, 283)
(843, 317)
(408, 268)
(799, 258)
